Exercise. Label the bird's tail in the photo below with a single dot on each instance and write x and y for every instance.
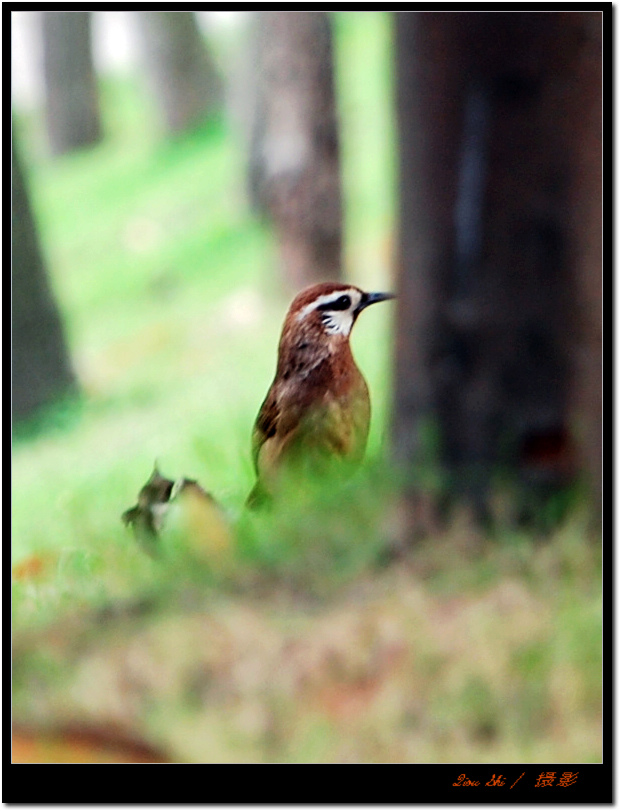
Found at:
(258, 498)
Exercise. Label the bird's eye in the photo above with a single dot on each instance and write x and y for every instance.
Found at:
(342, 303)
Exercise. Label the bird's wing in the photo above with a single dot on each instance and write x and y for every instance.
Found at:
(266, 425)
(276, 425)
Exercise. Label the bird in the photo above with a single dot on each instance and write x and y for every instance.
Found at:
(317, 409)
(147, 517)
(166, 507)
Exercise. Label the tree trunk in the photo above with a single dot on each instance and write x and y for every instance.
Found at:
(587, 224)
(180, 71)
(294, 163)
(485, 333)
(72, 104)
(41, 368)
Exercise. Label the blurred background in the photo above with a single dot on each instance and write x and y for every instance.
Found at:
(176, 178)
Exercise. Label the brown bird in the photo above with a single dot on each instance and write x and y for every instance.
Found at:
(317, 410)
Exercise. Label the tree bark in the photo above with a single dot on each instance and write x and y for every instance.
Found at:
(40, 362)
(181, 74)
(71, 98)
(587, 249)
(487, 316)
(295, 163)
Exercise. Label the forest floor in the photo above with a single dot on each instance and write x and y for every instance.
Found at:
(460, 653)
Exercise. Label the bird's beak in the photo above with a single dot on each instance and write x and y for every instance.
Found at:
(373, 298)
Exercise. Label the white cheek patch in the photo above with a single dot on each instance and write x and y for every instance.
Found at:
(338, 322)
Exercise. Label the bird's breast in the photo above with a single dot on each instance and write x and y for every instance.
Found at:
(334, 414)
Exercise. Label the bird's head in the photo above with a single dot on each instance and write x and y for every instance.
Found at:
(329, 310)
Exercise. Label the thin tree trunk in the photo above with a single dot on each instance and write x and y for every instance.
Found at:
(180, 71)
(295, 164)
(71, 97)
(40, 362)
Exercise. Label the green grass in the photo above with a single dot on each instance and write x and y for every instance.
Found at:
(169, 291)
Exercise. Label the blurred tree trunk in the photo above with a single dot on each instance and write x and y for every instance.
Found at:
(71, 98)
(294, 162)
(179, 68)
(41, 368)
(487, 316)
(587, 223)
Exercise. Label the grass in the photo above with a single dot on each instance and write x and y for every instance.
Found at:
(306, 643)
